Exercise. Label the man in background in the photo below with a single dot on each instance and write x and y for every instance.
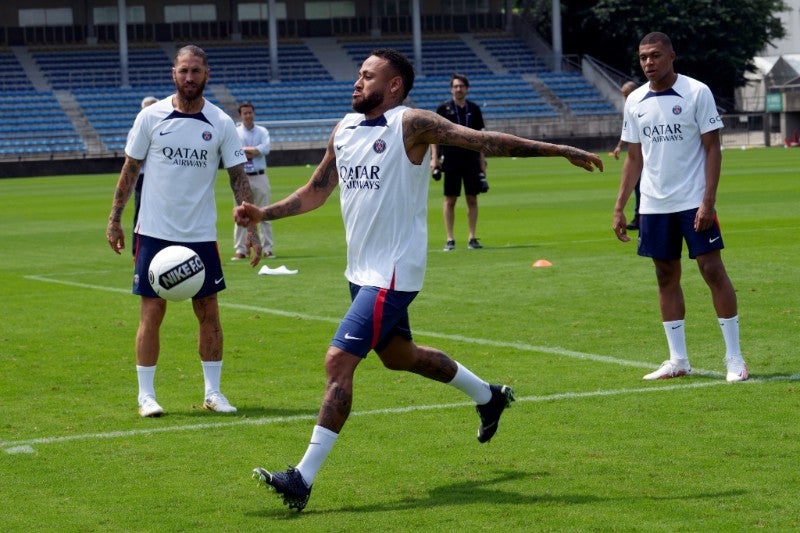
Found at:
(137, 192)
(459, 165)
(255, 140)
(626, 89)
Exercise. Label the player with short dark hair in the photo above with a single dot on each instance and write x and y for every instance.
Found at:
(460, 166)
(672, 129)
(379, 157)
(627, 88)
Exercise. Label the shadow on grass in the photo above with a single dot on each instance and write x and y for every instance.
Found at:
(477, 492)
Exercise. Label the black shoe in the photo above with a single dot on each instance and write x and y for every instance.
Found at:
(502, 396)
(449, 245)
(289, 484)
(474, 245)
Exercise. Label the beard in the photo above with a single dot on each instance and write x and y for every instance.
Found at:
(190, 93)
(368, 103)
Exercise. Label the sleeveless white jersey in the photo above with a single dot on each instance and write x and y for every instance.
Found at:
(183, 153)
(384, 201)
(668, 125)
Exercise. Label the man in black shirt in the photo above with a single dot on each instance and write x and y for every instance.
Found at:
(460, 165)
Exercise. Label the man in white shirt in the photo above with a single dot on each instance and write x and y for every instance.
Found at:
(256, 143)
(379, 157)
(672, 129)
(183, 137)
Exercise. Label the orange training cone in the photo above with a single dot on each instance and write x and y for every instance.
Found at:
(542, 263)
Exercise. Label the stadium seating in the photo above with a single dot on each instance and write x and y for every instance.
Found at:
(238, 63)
(12, 76)
(577, 93)
(74, 68)
(500, 96)
(514, 55)
(311, 102)
(300, 105)
(41, 129)
(439, 57)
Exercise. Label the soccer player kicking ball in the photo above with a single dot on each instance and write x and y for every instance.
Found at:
(379, 156)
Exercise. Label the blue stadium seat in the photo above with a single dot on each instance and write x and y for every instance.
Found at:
(48, 131)
(514, 55)
(439, 57)
(77, 68)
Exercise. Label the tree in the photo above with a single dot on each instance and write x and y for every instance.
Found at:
(715, 40)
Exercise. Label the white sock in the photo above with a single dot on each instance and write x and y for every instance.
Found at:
(211, 375)
(472, 385)
(146, 376)
(730, 332)
(676, 340)
(322, 441)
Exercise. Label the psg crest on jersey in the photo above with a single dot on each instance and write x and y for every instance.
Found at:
(206, 135)
(676, 110)
(379, 146)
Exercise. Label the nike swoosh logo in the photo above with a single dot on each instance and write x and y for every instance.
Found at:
(339, 146)
(164, 132)
(218, 281)
(351, 338)
(711, 241)
(675, 327)
(640, 115)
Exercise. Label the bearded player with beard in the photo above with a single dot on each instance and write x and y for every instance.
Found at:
(183, 137)
(379, 156)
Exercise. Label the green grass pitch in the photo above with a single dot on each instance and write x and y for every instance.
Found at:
(588, 446)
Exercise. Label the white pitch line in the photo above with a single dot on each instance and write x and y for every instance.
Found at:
(460, 338)
(27, 446)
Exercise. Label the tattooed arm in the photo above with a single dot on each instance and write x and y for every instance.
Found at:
(422, 128)
(240, 185)
(313, 194)
(125, 186)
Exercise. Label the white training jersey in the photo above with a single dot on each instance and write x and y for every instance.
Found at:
(384, 201)
(668, 125)
(183, 153)
(259, 138)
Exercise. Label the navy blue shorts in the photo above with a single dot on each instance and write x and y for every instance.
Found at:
(375, 316)
(661, 236)
(148, 247)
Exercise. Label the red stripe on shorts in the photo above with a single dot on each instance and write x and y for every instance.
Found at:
(377, 316)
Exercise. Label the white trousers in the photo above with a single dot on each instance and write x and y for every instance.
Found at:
(259, 185)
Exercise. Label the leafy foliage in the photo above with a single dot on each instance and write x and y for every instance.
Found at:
(714, 40)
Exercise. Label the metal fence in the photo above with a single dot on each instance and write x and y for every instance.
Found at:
(747, 130)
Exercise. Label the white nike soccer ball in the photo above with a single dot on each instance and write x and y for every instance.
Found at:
(176, 273)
